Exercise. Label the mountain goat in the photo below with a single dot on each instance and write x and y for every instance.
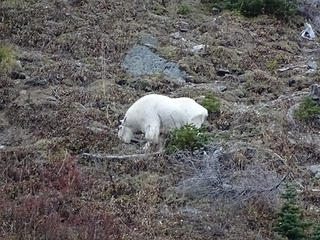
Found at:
(154, 114)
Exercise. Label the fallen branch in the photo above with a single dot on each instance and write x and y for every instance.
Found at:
(107, 156)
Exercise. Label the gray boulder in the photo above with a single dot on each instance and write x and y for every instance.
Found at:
(315, 92)
(140, 61)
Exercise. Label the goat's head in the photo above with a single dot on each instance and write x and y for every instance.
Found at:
(125, 133)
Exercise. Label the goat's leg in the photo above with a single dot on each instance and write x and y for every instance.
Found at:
(152, 135)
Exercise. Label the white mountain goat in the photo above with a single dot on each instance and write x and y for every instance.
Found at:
(154, 114)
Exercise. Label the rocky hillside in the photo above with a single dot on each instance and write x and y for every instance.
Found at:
(77, 65)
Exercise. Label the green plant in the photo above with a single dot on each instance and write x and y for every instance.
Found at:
(315, 235)
(251, 8)
(158, 9)
(307, 110)
(187, 137)
(283, 9)
(183, 9)
(211, 103)
(272, 65)
(6, 59)
(289, 221)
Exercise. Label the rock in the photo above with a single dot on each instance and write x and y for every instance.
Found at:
(183, 26)
(291, 82)
(197, 48)
(315, 92)
(149, 41)
(222, 72)
(176, 35)
(312, 65)
(315, 169)
(121, 82)
(78, 63)
(222, 88)
(140, 61)
(18, 75)
(36, 82)
(17, 71)
(215, 10)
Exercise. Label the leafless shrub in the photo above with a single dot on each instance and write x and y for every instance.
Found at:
(217, 175)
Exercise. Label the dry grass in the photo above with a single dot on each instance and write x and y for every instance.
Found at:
(77, 92)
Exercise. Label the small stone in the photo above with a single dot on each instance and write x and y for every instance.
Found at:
(222, 72)
(315, 169)
(315, 92)
(52, 99)
(78, 63)
(197, 48)
(312, 65)
(18, 75)
(183, 26)
(222, 88)
(175, 35)
(36, 82)
(215, 10)
(121, 82)
(291, 82)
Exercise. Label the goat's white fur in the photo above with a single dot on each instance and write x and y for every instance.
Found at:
(154, 114)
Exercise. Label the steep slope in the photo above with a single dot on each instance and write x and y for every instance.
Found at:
(72, 90)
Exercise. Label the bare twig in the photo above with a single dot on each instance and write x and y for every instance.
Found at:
(281, 181)
(107, 156)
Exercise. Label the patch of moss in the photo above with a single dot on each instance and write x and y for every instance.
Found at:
(158, 9)
(272, 65)
(6, 59)
(307, 110)
(183, 9)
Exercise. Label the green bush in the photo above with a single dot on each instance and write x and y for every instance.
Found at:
(6, 59)
(289, 221)
(187, 137)
(283, 9)
(251, 8)
(280, 8)
(307, 110)
(315, 235)
(211, 103)
(183, 9)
